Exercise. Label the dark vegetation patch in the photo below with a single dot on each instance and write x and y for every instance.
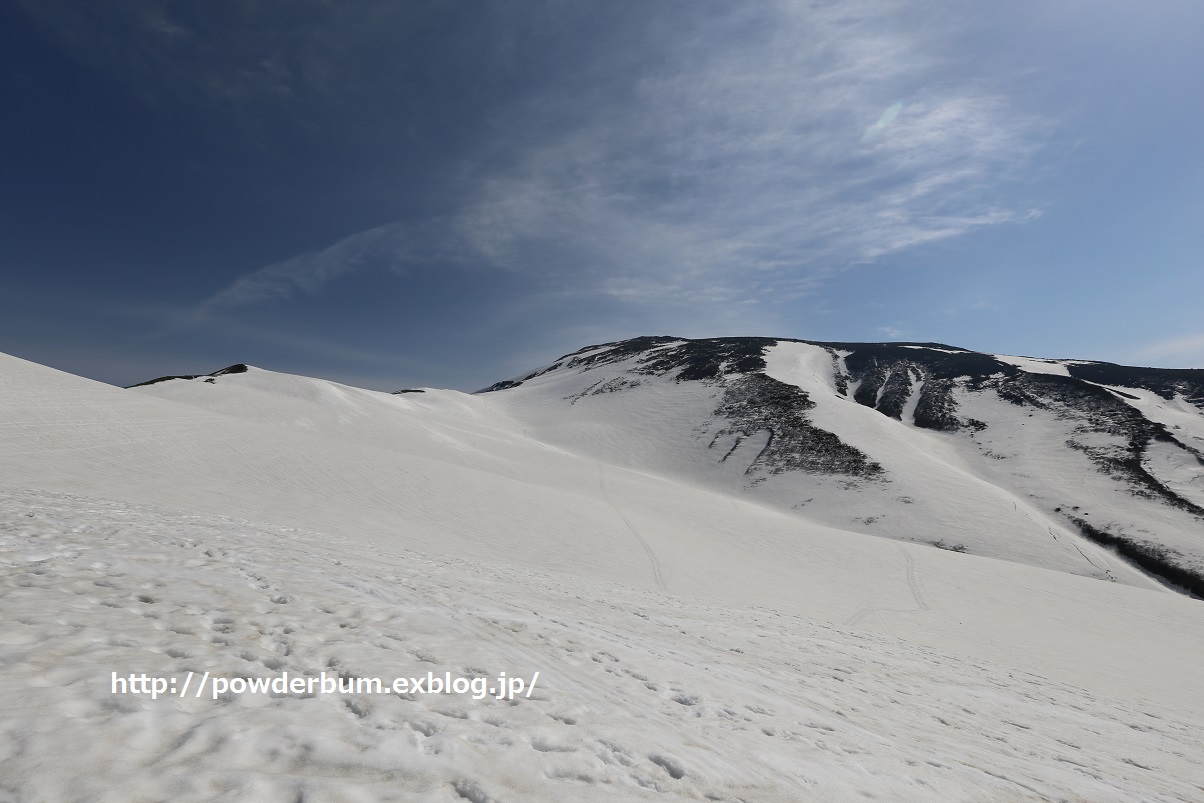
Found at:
(615, 352)
(693, 360)
(896, 390)
(408, 390)
(869, 357)
(1128, 466)
(1158, 560)
(838, 375)
(757, 403)
(1166, 382)
(1096, 410)
(936, 408)
(600, 387)
(950, 547)
(505, 384)
(886, 374)
(513, 383)
(1092, 409)
(237, 368)
(1018, 393)
(159, 379)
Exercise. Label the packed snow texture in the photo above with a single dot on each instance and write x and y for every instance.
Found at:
(691, 645)
(645, 695)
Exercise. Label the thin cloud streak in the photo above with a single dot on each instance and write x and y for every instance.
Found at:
(308, 272)
(737, 171)
(1186, 351)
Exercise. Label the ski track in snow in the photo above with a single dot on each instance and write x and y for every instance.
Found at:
(652, 561)
(913, 585)
(642, 695)
(912, 580)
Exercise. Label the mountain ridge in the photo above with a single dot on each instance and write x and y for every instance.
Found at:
(1102, 411)
(784, 421)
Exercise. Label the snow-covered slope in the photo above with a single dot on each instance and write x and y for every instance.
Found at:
(641, 695)
(691, 643)
(1053, 463)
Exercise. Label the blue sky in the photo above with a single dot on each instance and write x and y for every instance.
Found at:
(448, 193)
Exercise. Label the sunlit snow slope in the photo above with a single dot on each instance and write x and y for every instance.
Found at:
(691, 643)
(1060, 464)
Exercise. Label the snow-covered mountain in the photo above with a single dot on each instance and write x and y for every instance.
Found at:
(695, 639)
(1031, 460)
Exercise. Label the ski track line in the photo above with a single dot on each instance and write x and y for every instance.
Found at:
(913, 584)
(656, 567)
(912, 580)
(1103, 569)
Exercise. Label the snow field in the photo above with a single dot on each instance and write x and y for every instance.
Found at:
(691, 644)
(643, 695)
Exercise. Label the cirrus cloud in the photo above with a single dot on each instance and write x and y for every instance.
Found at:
(738, 165)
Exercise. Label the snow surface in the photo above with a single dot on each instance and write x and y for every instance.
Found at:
(1035, 366)
(1176, 468)
(937, 490)
(691, 645)
(1185, 419)
(1067, 479)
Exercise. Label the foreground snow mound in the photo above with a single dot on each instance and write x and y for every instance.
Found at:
(641, 695)
(1088, 468)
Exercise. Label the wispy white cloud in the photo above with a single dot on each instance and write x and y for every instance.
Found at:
(388, 245)
(1186, 351)
(740, 169)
